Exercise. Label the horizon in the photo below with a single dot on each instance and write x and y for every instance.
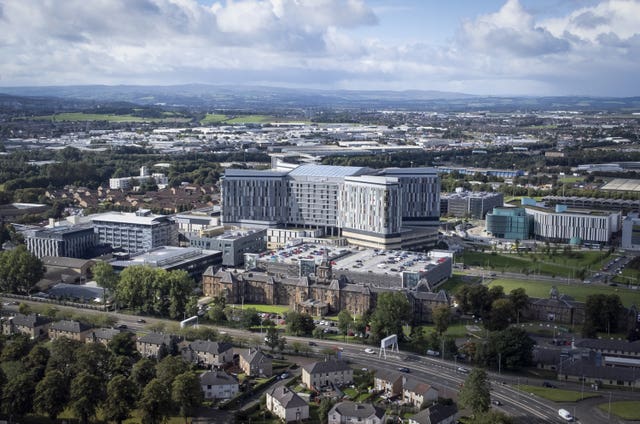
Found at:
(497, 48)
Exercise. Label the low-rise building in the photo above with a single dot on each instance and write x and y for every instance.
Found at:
(416, 392)
(73, 330)
(509, 223)
(68, 241)
(436, 414)
(255, 362)
(232, 244)
(389, 383)
(102, 335)
(350, 412)
(151, 344)
(326, 373)
(218, 385)
(207, 353)
(32, 325)
(287, 405)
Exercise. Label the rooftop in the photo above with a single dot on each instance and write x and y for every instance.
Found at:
(326, 366)
(327, 171)
(165, 256)
(128, 218)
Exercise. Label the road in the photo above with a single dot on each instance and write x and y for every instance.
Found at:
(443, 375)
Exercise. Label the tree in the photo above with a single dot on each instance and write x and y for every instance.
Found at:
(391, 313)
(496, 292)
(323, 410)
(155, 402)
(249, 318)
(475, 393)
(36, 360)
(62, 356)
(121, 399)
(105, 277)
(187, 393)
(520, 300)
(16, 348)
(441, 316)
(169, 368)
(299, 324)
(216, 314)
(123, 344)
(272, 338)
(345, 321)
(87, 391)
(512, 347)
(17, 394)
(602, 311)
(19, 270)
(502, 313)
(52, 394)
(143, 372)
(95, 359)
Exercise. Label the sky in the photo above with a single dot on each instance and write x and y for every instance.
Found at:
(485, 47)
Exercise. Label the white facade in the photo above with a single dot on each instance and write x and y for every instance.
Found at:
(631, 232)
(287, 405)
(218, 385)
(567, 225)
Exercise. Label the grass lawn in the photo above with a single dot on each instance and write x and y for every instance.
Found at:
(250, 119)
(556, 395)
(453, 283)
(578, 291)
(570, 180)
(213, 118)
(627, 410)
(271, 309)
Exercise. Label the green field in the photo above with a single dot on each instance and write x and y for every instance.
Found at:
(83, 117)
(579, 291)
(213, 118)
(556, 264)
(627, 410)
(571, 180)
(556, 395)
(216, 118)
(271, 309)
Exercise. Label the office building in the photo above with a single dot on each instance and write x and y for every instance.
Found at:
(631, 232)
(233, 244)
(135, 232)
(469, 204)
(125, 183)
(573, 226)
(509, 223)
(66, 241)
(375, 208)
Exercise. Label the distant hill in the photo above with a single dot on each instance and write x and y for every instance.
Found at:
(203, 96)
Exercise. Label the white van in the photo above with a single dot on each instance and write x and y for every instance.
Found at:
(566, 415)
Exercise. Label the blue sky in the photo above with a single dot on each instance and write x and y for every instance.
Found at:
(489, 47)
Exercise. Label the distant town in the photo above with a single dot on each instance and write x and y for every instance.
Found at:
(438, 264)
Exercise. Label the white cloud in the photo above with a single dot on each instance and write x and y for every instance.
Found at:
(591, 50)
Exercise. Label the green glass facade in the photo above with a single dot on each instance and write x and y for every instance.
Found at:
(509, 223)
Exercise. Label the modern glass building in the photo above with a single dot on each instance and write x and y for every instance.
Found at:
(509, 223)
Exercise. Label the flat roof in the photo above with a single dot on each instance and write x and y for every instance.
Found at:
(165, 256)
(327, 171)
(253, 173)
(622, 184)
(127, 218)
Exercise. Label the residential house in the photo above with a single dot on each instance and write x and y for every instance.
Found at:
(151, 344)
(388, 383)
(70, 329)
(32, 325)
(416, 392)
(254, 362)
(102, 335)
(218, 384)
(207, 353)
(351, 412)
(286, 404)
(326, 373)
(436, 414)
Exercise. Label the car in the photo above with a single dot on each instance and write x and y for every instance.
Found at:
(547, 384)
(463, 370)
(284, 375)
(369, 350)
(313, 344)
(496, 402)
(122, 327)
(141, 321)
(404, 369)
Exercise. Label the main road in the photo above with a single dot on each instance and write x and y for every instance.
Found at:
(443, 375)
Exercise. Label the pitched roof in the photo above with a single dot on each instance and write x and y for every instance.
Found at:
(209, 347)
(602, 344)
(217, 378)
(254, 356)
(157, 338)
(31, 320)
(435, 414)
(287, 397)
(326, 366)
(70, 326)
(105, 333)
(416, 386)
(387, 375)
(356, 410)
